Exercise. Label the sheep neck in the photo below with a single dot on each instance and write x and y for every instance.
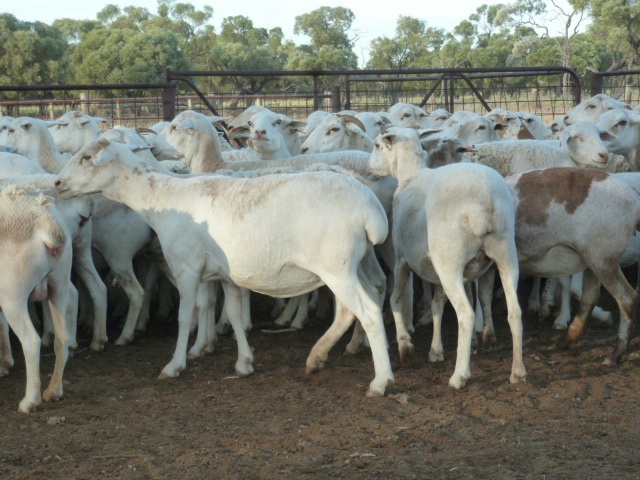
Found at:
(45, 154)
(207, 156)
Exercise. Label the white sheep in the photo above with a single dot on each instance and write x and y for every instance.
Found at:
(580, 145)
(592, 108)
(624, 127)
(373, 122)
(535, 125)
(270, 134)
(449, 225)
(338, 132)
(35, 253)
(245, 233)
(403, 114)
(73, 130)
(470, 128)
(112, 222)
(438, 117)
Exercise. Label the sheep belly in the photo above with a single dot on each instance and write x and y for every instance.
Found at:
(557, 261)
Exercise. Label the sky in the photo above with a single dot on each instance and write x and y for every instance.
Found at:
(372, 20)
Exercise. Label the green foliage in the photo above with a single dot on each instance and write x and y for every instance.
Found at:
(134, 45)
(31, 53)
(125, 56)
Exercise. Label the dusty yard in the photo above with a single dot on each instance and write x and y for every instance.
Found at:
(573, 418)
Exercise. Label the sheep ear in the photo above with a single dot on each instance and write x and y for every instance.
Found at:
(26, 126)
(53, 123)
(241, 131)
(104, 155)
(186, 125)
(296, 125)
(388, 138)
(427, 132)
(607, 136)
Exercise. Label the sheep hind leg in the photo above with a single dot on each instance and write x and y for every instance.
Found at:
(130, 284)
(506, 259)
(627, 299)
(205, 308)
(590, 295)
(359, 295)
(58, 305)
(6, 358)
(436, 353)
(18, 318)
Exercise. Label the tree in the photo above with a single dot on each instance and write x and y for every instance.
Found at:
(31, 53)
(126, 56)
(410, 48)
(618, 21)
(331, 46)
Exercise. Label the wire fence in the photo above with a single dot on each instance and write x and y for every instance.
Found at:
(545, 91)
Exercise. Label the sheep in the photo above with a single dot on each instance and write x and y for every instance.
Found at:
(290, 130)
(449, 225)
(470, 128)
(624, 127)
(112, 222)
(338, 132)
(556, 126)
(35, 252)
(374, 122)
(438, 117)
(560, 212)
(268, 133)
(513, 126)
(592, 108)
(5, 121)
(403, 114)
(580, 145)
(535, 125)
(73, 130)
(77, 217)
(224, 216)
(313, 120)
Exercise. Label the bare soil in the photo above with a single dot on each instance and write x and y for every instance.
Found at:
(573, 418)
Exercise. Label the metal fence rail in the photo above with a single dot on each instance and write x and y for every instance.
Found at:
(545, 91)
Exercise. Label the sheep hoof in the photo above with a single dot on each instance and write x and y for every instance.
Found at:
(458, 381)
(406, 350)
(377, 388)
(124, 340)
(28, 406)
(518, 377)
(558, 325)
(435, 356)
(52, 395)
(352, 349)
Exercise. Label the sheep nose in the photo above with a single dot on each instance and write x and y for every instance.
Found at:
(604, 156)
(304, 149)
(58, 182)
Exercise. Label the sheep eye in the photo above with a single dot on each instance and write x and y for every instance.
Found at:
(622, 123)
(278, 122)
(482, 127)
(250, 123)
(85, 158)
(333, 130)
(406, 115)
(591, 106)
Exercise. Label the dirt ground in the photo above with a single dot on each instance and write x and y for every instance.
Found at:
(573, 418)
